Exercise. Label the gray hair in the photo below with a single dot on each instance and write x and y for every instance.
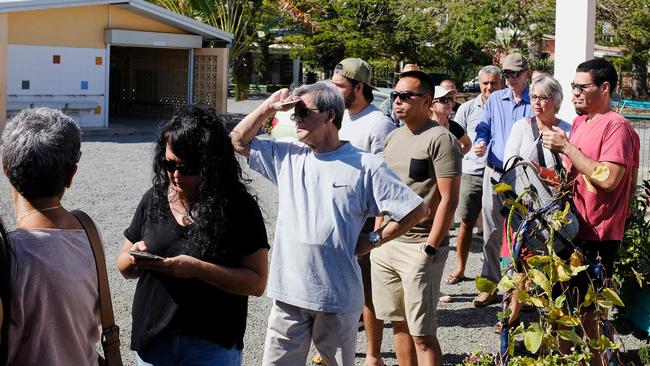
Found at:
(40, 148)
(547, 85)
(490, 70)
(325, 97)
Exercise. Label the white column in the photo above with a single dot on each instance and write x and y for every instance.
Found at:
(575, 23)
(296, 71)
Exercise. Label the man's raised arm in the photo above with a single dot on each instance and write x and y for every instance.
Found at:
(242, 135)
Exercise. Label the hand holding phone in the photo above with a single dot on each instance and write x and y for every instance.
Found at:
(145, 256)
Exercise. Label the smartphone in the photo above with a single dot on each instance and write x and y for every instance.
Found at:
(146, 256)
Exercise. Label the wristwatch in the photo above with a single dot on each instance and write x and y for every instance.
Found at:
(374, 238)
(430, 250)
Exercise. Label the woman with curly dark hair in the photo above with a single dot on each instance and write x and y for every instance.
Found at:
(208, 235)
(5, 265)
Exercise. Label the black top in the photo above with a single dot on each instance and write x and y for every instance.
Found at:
(457, 130)
(190, 306)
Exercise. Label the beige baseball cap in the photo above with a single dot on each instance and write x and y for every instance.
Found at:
(515, 62)
(355, 69)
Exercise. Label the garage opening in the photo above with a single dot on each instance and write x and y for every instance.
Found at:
(146, 84)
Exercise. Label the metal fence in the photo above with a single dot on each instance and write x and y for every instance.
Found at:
(642, 127)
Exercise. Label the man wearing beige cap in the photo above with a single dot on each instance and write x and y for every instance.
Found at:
(502, 109)
(365, 127)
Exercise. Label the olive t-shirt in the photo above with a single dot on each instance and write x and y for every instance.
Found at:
(418, 158)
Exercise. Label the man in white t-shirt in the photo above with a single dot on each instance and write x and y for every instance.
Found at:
(327, 190)
(366, 128)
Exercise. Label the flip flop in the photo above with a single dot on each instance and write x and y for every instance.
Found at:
(452, 280)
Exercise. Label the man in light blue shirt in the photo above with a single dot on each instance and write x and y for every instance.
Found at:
(471, 187)
(502, 110)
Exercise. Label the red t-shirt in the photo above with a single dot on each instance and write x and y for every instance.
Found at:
(611, 138)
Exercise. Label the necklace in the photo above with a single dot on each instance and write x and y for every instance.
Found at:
(35, 210)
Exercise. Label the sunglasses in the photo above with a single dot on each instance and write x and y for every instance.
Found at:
(582, 87)
(534, 98)
(512, 74)
(184, 169)
(404, 96)
(302, 113)
(445, 100)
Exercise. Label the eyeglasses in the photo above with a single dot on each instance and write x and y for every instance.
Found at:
(512, 74)
(302, 113)
(445, 100)
(184, 169)
(582, 87)
(542, 99)
(404, 96)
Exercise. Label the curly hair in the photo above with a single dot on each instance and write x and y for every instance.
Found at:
(198, 136)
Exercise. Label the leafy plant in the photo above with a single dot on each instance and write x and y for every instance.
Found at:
(478, 358)
(542, 280)
(632, 270)
(644, 355)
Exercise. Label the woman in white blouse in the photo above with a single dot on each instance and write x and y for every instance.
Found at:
(524, 142)
(545, 98)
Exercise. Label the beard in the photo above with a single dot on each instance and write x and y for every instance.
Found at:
(348, 100)
(580, 111)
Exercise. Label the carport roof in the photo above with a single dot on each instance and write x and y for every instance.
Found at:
(139, 6)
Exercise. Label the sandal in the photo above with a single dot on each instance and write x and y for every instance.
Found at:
(452, 280)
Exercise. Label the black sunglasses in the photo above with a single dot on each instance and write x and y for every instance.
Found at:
(582, 87)
(302, 112)
(404, 96)
(185, 169)
(512, 74)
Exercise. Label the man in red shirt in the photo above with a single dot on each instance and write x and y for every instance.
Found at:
(601, 141)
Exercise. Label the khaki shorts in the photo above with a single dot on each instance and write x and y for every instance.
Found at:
(471, 193)
(406, 285)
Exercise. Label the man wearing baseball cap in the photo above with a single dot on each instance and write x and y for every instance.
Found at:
(502, 109)
(365, 127)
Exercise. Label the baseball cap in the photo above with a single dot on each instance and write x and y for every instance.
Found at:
(355, 69)
(441, 92)
(515, 62)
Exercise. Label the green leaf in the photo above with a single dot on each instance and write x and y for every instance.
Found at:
(612, 296)
(506, 283)
(538, 260)
(571, 336)
(579, 269)
(569, 321)
(564, 272)
(605, 303)
(533, 338)
(540, 280)
(590, 297)
(484, 285)
(560, 300)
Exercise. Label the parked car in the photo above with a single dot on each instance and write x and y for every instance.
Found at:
(471, 86)
(283, 127)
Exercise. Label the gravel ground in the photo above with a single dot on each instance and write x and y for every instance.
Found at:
(114, 172)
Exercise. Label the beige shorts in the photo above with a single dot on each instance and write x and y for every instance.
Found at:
(406, 284)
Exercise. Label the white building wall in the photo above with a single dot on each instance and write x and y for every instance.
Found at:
(76, 85)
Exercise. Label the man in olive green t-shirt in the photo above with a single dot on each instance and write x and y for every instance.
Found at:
(406, 272)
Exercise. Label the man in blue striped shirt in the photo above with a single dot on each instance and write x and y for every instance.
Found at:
(502, 110)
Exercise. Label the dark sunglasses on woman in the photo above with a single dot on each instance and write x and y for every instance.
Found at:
(183, 168)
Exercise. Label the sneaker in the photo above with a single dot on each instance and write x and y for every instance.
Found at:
(445, 298)
(485, 299)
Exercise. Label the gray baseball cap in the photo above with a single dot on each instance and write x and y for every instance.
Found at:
(355, 69)
(515, 62)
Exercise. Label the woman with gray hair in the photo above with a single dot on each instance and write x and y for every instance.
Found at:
(525, 143)
(53, 303)
(545, 98)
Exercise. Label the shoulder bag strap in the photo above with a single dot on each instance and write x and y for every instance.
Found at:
(110, 332)
(540, 149)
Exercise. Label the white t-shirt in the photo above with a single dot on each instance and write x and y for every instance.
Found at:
(522, 143)
(324, 199)
(366, 130)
